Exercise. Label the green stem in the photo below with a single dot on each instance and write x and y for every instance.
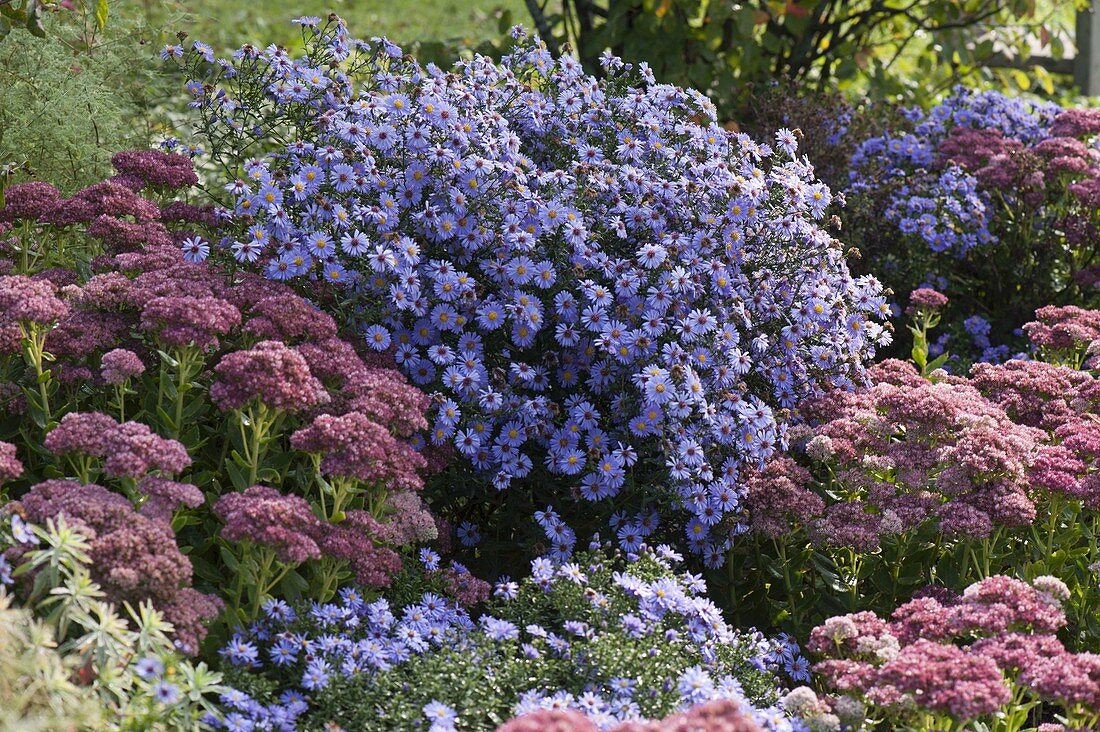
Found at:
(36, 348)
(734, 595)
(261, 584)
(120, 396)
(788, 585)
(853, 599)
(256, 439)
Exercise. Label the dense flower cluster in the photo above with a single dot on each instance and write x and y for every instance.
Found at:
(906, 451)
(128, 450)
(356, 446)
(1068, 330)
(270, 372)
(134, 558)
(618, 634)
(26, 300)
(286, 524)
(1016, 178)
(586, 271)
(961, 657)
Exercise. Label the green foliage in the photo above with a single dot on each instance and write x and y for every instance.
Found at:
(884, 47)
(434, 30)
(36, 691)
(71, 99)
(69, 661)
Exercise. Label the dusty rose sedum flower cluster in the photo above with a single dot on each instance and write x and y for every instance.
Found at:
(147, 316)
(909, 451)
(134, 558)
(961, 657)
(128, 450)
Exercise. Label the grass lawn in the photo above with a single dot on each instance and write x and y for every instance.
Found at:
(229, 23)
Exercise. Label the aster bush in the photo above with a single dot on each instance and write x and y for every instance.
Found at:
(212, 429)
(71, 659)
(992, 201)
(601, 286)
(614, 639)
(988, 656)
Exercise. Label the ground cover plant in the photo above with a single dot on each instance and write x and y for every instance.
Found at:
(617, 639)
(494, 395)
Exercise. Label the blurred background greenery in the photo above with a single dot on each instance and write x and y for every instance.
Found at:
(81, 78)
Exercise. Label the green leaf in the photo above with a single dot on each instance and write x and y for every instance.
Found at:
(229, 558)
(5, 29)
(919, 356)
(1022, 79)
(236, 475)
(938, 361)
(11, 13)
(34, 21)
(101, 13)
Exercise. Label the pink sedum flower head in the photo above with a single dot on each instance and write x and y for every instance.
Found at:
(266, 517)
(926, 298)
(355, 446)
(26, 300)
(29, 202)
(156, 168)
(944, 679)
(186, 321)
(118, 365)
(10, 466)
(271, 373)
(129, 450)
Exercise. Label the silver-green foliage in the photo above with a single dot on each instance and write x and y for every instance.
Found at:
(70, 661)
(71, 99)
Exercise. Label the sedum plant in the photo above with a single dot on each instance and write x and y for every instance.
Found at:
(70, 654)
(215, 434)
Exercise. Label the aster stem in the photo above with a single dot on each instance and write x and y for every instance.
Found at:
(731, 576)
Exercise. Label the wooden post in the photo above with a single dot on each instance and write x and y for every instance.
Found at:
(1086, 66)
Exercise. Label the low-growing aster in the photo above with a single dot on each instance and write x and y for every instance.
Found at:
(375, 665)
